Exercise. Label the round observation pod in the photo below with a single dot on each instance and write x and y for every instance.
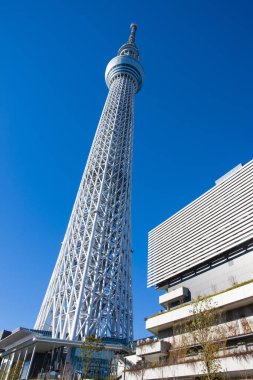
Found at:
(124, 64)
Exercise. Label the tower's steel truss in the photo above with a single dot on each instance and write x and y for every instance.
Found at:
(90, 291)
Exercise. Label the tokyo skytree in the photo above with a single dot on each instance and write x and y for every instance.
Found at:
(90, 291)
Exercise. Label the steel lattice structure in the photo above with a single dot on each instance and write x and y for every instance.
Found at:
(90, 291)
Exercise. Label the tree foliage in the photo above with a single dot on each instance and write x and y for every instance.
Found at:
(205, 333)
(15, 371)
(90, 346)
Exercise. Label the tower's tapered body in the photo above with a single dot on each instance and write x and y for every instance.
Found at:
(90, 291)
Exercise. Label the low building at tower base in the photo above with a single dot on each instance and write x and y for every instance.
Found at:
(33, 354)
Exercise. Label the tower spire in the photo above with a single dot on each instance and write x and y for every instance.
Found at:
(129, 48)
(133, 28)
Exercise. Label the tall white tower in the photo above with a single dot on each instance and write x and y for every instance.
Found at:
(90, 291)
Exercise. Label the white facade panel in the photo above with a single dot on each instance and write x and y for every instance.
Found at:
(217, 221)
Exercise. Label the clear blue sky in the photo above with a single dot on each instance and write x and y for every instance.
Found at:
(193, 123)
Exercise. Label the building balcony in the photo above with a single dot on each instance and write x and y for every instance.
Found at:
(232, 367)
(178, 295)
(152, 347)
(238, 296)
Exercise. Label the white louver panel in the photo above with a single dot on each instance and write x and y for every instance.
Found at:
(217, 221)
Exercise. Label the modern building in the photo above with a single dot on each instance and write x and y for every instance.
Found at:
(204, 250)
(90, 291)
(31, 354)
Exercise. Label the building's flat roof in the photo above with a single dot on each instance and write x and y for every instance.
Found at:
(22, 337)
(17, 335)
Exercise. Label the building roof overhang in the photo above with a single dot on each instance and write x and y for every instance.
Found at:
(25, 338)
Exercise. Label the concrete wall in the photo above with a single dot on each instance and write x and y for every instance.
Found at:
(233, 367)
(220, 278)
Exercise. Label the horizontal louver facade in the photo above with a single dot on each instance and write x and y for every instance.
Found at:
(217, 221)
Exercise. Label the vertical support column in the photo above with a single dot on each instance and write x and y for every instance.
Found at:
(16, 366)
(9, 367)
(24, 362)
(28, 371)
(3, 367)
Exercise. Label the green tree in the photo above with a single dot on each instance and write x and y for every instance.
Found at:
(3, 372)
(90, 346)
(204, 331)
(15, 371)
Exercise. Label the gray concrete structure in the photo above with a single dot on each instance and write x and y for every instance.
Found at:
(216, 278)
(204, 250)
